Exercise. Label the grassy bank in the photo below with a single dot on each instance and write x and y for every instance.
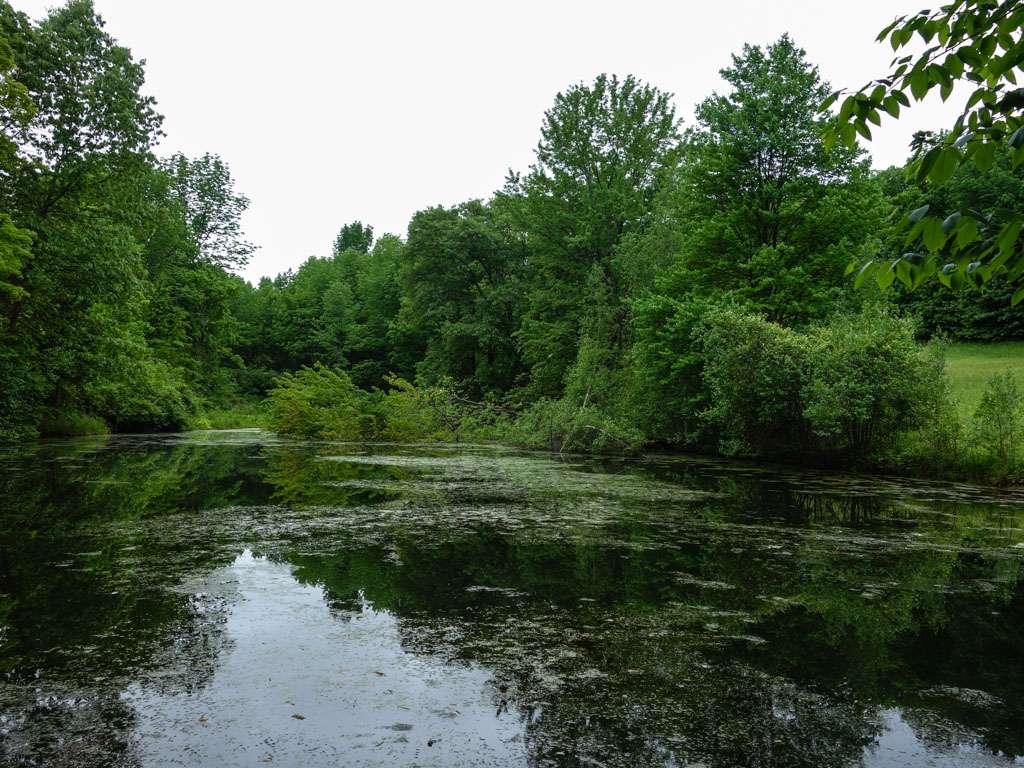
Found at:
(970, 366)
(234, 415)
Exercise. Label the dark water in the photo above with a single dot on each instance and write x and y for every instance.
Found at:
(226, 599)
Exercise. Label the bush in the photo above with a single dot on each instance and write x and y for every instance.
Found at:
(937, 448)
(320, 402)
(869, 382)
(148, 396)
(416, 413)
(756, 372)
(561, 425)
(844, 391)
(999, 422)
(72, 424)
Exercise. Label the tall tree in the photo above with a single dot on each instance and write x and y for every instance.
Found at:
(354, 237)
(604, 153)
(213, 209)
(90, 133)
(760, 208)
(461, 278)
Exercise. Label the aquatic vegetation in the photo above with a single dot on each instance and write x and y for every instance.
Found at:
(487, 604)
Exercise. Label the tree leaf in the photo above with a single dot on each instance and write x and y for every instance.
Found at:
(891, 105)
(846, 109)
(904, 271)
(1007, 238)
(827, 103)
(945, 165)
(928, 162)
(917, 214)
(985, 155)
(967, 232)
(885, 277)
(864, 273)
(932, 235)
(918, 83)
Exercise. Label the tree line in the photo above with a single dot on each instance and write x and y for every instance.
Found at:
(576, 303)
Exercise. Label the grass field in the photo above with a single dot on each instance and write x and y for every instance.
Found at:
(969, 366)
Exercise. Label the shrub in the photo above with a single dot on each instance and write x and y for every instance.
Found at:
(870, 381)
(72, 424)
(561, 425)
(844, 391)
(320, 402)
(147, 396)
(999, 421)
(416, 413)
(755, 372)
(937, 447)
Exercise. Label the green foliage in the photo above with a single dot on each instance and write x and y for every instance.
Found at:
(635, 286)
(973, 40)
(320, 402)
(846, 390)
(204, 190)
(605, 151)
(564, 426)
(668, 371)
(974, 312)
(759, 208)
(413, 413)
(338, 311)
(998, 423)
(870, 381)
(72, 424)
(462, 295)
(147, 396)
(755, 372)
(113, 286)
(15, 250)
(354, 237)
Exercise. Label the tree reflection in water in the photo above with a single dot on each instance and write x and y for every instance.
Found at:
(668, 611)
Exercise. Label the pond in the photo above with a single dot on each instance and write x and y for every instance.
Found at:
(232, 599)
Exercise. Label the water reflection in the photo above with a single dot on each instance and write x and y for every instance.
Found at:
(295, 684)
(465, 605)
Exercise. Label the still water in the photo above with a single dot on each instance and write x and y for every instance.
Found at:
(231, 599)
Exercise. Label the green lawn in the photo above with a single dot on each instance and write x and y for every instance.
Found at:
(970, 365)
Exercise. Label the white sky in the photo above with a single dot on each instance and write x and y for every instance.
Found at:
(329, 112)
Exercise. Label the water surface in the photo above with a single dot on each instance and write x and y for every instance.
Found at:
(230, 599)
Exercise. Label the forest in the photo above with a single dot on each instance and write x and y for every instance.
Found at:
(743, 284)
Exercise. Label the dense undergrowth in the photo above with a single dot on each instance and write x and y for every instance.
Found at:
(858, 392)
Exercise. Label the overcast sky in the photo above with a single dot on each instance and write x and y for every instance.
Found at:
(333, 111)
